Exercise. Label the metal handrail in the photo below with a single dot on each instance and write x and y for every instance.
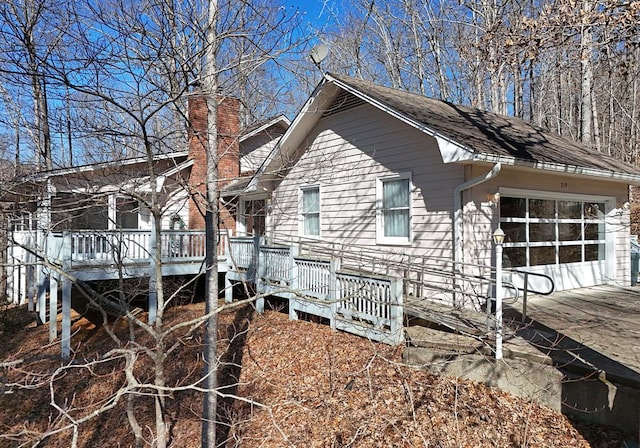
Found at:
(526, 289)
(381, 262)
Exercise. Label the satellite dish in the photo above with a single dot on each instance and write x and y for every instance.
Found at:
(318, 53)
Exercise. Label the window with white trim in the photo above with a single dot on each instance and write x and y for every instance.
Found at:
(310, 210)
(542, 231)
(393, 209)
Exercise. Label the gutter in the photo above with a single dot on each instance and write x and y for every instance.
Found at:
(457, 211)
(573, 170)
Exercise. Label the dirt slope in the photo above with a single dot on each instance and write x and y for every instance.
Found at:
(301, 384)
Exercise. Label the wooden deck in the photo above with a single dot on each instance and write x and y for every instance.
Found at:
(360, 294)
(593, 329)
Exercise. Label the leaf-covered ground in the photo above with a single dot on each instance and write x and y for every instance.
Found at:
(300, 385)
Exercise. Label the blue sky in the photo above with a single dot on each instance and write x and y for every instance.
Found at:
(317, 11)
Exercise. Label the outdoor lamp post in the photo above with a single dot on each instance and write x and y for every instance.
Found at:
(498, 239)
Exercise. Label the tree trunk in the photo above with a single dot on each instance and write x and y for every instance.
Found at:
(586, 70)
(211, 231)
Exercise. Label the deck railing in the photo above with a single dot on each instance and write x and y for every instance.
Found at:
(276, 264)
(367, 305)
(180, 245)
(98, 247)
(79, 249)
(424, 276)
(109, 247)
(376, 302)
(314, 277)
(243, 253)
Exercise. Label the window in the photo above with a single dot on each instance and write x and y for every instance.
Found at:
(393, 207)
(542, 231)
(77, 211)
(310, 211)
(126, 213)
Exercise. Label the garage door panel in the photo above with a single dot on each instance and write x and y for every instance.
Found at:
(565, 276)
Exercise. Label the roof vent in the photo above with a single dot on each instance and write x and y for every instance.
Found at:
(344, 101)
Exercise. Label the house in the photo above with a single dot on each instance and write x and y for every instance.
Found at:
(370, 167)
(398, 196)
(107, 206)
(256, 143)
(405, 179)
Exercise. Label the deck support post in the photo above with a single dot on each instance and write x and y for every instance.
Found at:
(41, 293)
(294, 281)
(396, 313)
(13, 273)
(41, 280)
(228, 289)
(53, 307)
(259, 272)
(28, 285)
(42, 274)
(66, 297)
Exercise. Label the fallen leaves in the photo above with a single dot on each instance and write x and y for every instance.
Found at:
(302, 384)
(328, 388)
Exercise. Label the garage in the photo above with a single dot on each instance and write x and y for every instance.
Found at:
(563, 236)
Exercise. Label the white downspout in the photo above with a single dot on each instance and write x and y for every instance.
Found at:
(457, 211)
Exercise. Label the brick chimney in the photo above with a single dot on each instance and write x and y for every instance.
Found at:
(228, 155)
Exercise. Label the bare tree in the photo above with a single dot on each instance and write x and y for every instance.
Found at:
(568, 66)
(127, 83)
(210, 81)
(32, 31)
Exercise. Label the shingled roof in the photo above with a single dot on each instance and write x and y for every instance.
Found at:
(485, 133)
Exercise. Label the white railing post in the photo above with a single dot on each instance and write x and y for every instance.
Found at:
(396, 313)
(225, 243)
(334, 267)
(498, 237)
(66, 296)
(258, 267)
(260, 272)
(294, 282)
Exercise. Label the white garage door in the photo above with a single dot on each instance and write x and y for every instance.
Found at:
(563, 237)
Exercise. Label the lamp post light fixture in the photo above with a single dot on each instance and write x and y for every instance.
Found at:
(498, 236)
(498, 239)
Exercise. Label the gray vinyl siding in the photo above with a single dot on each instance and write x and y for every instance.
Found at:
(347, 152)
(255, 151)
